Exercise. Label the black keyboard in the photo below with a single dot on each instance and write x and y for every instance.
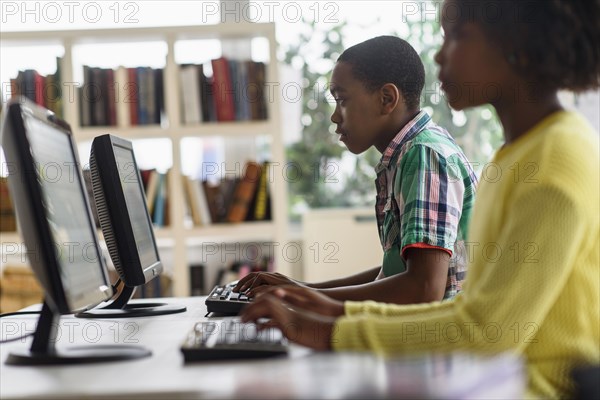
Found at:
(230, 339)
(223, 300)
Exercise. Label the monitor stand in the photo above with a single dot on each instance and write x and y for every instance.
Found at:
(122, 308)
(44, 352)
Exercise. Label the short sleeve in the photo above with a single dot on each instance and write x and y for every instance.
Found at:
(431, 197)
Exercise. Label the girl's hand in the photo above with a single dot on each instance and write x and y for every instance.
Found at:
(298, 325)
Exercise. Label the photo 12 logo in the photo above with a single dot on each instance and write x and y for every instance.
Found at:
(62, 12)
(69, 331)
(270, 11)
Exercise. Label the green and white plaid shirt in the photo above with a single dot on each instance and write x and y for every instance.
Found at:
(425, 193)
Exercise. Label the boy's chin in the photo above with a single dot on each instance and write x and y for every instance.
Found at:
(355, 150)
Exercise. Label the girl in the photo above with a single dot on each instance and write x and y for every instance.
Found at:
(533, 285)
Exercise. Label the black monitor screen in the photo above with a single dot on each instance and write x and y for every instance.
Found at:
(52, 209)
(123, 215)
(66, 210)
(134, 197)
(122, 210)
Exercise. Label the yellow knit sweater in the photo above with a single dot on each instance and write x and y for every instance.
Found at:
(533, 284)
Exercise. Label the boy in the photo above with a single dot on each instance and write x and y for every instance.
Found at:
(425, 186)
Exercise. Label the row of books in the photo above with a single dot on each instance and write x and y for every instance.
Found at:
(125, 96)
(135, 96)
(230, 200)
(47, 91)
(234, 92)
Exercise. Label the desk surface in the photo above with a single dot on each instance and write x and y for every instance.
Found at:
(304, 374)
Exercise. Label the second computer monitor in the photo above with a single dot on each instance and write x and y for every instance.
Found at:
(123, 214)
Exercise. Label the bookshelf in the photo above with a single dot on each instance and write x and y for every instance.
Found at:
(178, 237)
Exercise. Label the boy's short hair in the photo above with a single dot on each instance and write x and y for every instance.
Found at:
(387, 59)
(552, 43)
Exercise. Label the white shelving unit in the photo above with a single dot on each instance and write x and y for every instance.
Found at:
(177, 236)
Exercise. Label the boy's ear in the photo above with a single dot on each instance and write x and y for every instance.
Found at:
(390, 96)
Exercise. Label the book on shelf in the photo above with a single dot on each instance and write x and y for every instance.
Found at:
(148, 112)
(160, 201)
(152, 190)
(244, 113)
(207, 100)
(223, 90)
(255, 90)
(159, 96)
(219, 196)
(167, 206)
(244, 193)
(191, 97)
(132, 94)
(228, 187)
(212, 192)
(110, 99)
(261, 204)
(122, 97)
(145, 174)
(96, 94)
(192, 205)
(196, 200)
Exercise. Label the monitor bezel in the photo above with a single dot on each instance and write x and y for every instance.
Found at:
(131, 271)
(32, 221)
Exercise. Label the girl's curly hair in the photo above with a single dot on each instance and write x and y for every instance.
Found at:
(554, 43)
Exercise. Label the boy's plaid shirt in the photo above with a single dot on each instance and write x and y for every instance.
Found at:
(425, 193)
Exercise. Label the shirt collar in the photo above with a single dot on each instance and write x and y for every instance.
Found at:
(408, 131)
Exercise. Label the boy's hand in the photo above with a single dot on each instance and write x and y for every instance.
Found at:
(300, 326)
(254, 280)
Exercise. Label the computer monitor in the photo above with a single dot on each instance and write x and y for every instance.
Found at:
(123, 214)
(55, 221)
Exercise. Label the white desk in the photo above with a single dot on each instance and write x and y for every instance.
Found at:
(304, 374)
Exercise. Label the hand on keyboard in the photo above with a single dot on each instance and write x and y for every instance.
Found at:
(222, 299)
(256, 282)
